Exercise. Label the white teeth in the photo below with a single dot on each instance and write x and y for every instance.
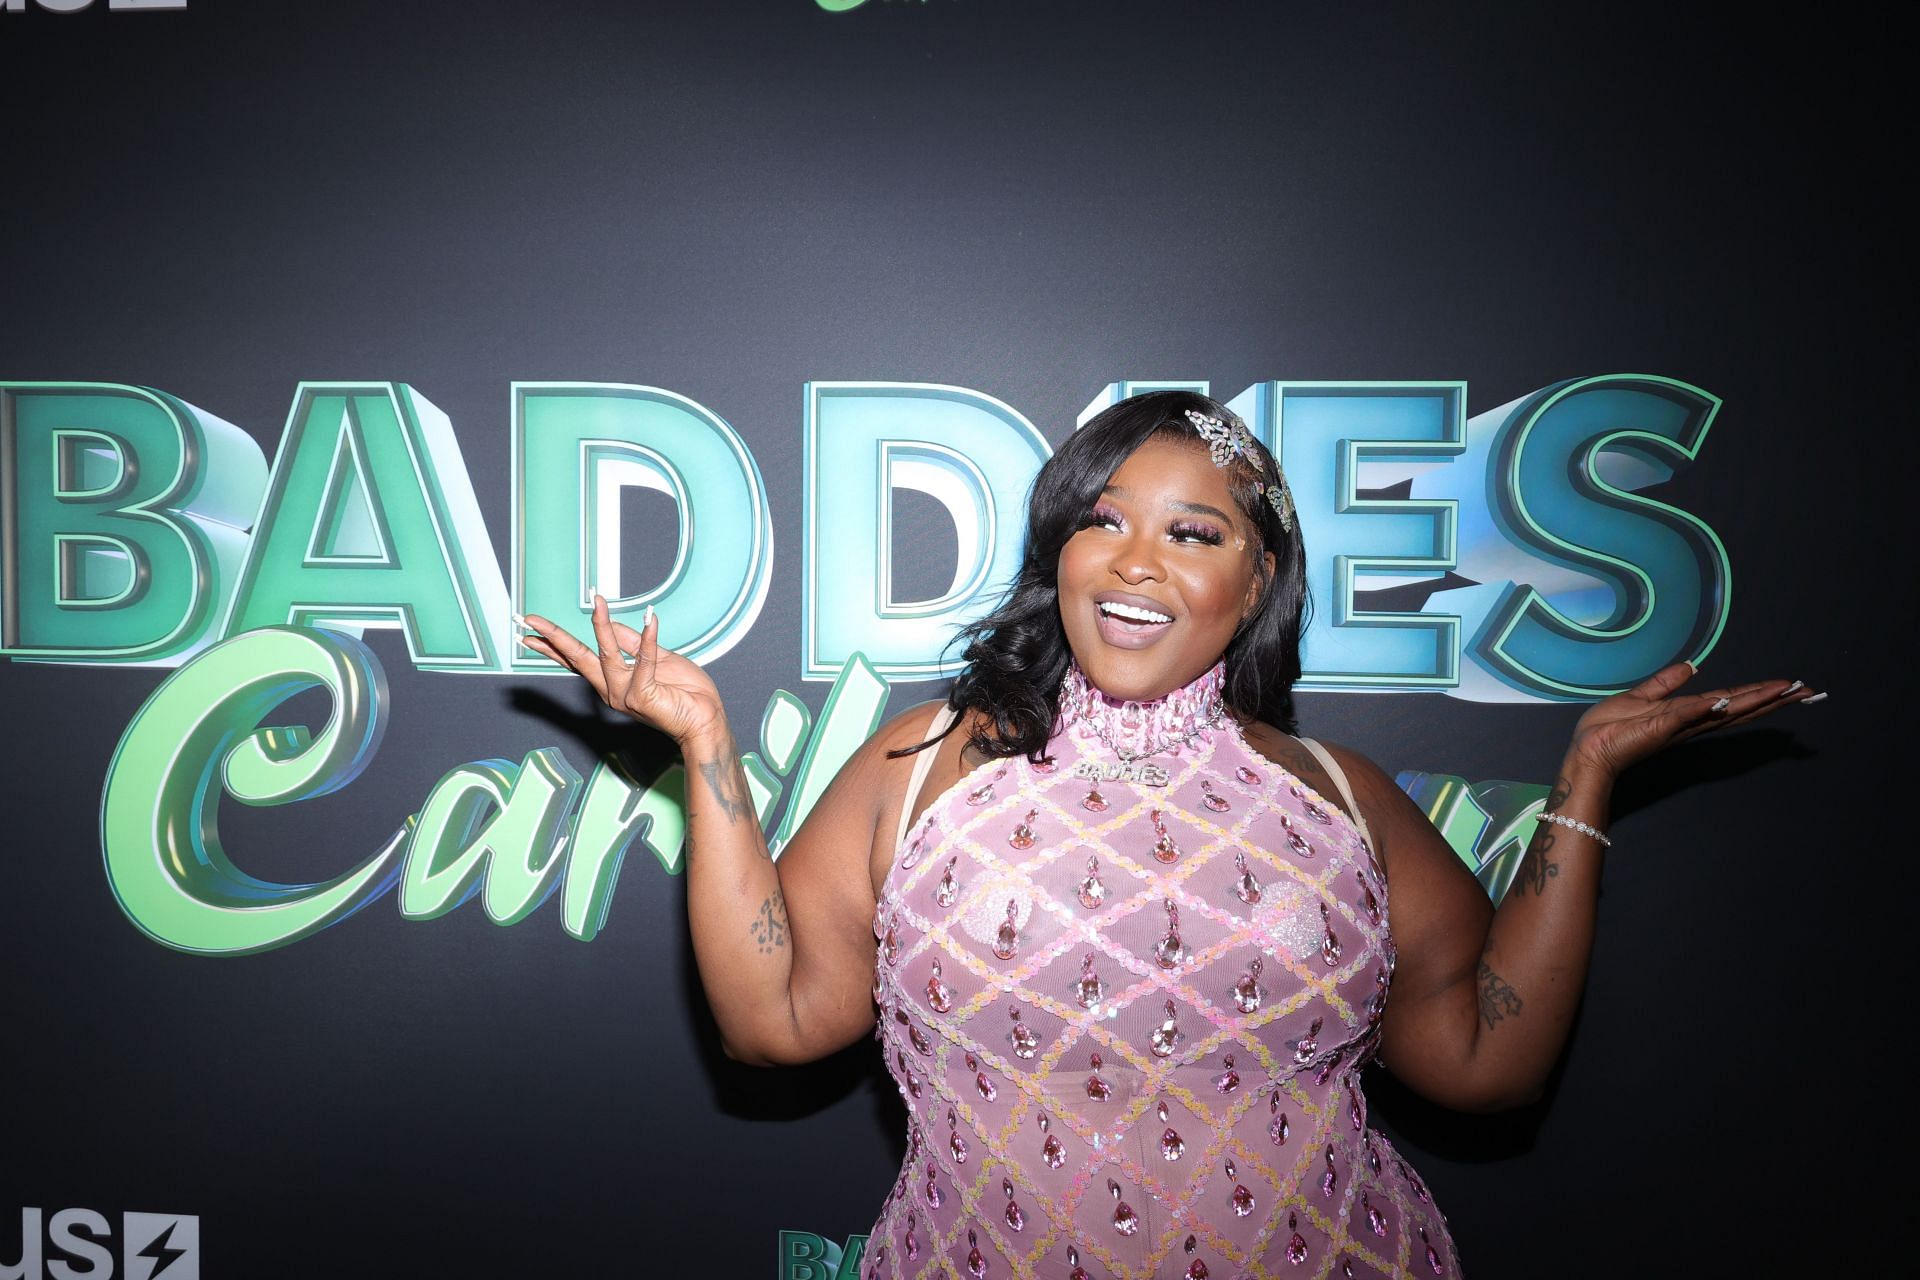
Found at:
(1132, 613)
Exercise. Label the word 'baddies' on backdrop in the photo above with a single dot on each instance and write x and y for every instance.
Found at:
(138, 529)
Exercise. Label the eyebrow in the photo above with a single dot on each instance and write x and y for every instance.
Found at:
(1184, 508)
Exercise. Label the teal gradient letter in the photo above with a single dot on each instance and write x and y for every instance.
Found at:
(969, 452)
(575, 446)
(195, 737)
(122, 522)
(370, 520)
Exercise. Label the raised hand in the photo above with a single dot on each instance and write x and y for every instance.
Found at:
(655, 686)
(1631, 726)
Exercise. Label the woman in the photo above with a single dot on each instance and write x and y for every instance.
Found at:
(1126, 938)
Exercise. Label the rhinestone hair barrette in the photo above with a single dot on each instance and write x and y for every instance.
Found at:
(1229, 440)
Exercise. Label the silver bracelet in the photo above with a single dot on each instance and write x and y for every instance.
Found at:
(1585, 830)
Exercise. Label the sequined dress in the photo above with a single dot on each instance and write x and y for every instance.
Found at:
(1129, 1020)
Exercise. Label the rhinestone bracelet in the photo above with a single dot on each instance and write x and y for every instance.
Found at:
(1576, 824)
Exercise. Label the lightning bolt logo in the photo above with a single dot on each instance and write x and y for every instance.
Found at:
(171, 1239)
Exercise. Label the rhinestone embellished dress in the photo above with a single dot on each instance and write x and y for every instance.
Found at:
(1129, 1019)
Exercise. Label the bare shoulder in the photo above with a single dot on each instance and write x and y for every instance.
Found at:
(1374, 793)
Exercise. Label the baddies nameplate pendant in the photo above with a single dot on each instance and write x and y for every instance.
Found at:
(1147, 775)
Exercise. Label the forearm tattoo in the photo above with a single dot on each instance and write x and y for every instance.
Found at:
(1538, 866)
(1497, 999)
(770, 925)
(728, 783)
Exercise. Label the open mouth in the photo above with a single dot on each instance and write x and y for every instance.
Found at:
(1127, 625)
(1132, 615)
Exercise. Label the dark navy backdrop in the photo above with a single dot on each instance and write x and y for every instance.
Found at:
(1031, 200)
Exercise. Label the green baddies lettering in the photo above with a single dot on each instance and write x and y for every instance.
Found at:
(575, 445)
(197, 737)
(370, 520)
(126, 518)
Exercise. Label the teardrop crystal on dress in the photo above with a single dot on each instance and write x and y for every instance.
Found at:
(1015, 1219)
(1373, 1157)
(1092, 892)
(1025, 1042)
(1166, 1037)
(1197, 1269)
(1125, 1221)
(1296, 1247)
(1212, 799)
(1172, 1147)
(920, 1044)
(1433, 1256)
(958, 1145)
(1375, 1219)
(1097, 1088)
(1242, 1198)
(933, 1195)
(1353, 1106)
(980, 795)
(976, 1263)
(911, 858)
(1373, 903)
(1304, 1047)
(1246, 992)
(1318, 814)
(948, 889)
(1229, 1080)
(1331, 1177)
(1246, 888)
(1095, 802)
(987, 1089)
(1170, 951)
(939, 994)
(1052, 1152)
(1073, 1260)
(892, 947)
(1301, 845)
(1247, 776)
(1045, 765)
(1022, 837)
(913, 1084)
(1330, 944)
(1164, 849)
(1006, 940)
(1278, 1128)
(1088, 989)
(912, 1241)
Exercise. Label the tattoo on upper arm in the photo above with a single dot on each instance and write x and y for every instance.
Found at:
(728, 783)
(770, 925)
(1497, 999)
(1537, 867)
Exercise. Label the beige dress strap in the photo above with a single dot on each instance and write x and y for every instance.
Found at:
(921, 764)
(1339, 777)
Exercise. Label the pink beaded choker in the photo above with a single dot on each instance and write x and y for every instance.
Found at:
(1136, 730)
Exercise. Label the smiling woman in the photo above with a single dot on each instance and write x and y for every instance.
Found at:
(1128, 941)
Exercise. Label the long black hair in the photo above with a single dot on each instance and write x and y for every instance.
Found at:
(1017, 655)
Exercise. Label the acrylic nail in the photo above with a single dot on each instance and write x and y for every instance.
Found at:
(1818, 697)
(520, 622)
(647, 619)
(1721, 705)
(1790, 688)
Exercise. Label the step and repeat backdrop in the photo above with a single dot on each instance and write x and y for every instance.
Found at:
(340, 936)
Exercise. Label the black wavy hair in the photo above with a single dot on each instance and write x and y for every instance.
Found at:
(1017, 655)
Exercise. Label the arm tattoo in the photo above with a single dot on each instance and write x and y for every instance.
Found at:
(770, 925)
(1497, 999)
(1537, 868)
(728, 784)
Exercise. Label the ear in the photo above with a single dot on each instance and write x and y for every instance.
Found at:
(1253, 588)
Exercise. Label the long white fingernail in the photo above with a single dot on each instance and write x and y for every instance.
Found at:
(1790, 688)
(1818, 697)
(627, 659)
(647, 619)
(1721, 705)
(520, 622)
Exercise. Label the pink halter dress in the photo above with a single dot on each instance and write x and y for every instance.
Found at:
(1126, 994)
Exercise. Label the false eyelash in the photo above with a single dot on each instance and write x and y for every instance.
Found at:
(1200, 533)
(1099, 515)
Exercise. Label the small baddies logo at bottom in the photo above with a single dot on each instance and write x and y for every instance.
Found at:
(151, 1246)
(806, 1256)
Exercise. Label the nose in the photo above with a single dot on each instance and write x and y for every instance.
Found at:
(1136, 558)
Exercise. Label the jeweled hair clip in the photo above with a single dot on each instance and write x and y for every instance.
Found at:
(1227, 441)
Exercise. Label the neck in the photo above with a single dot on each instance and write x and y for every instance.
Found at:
(1137, 730)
